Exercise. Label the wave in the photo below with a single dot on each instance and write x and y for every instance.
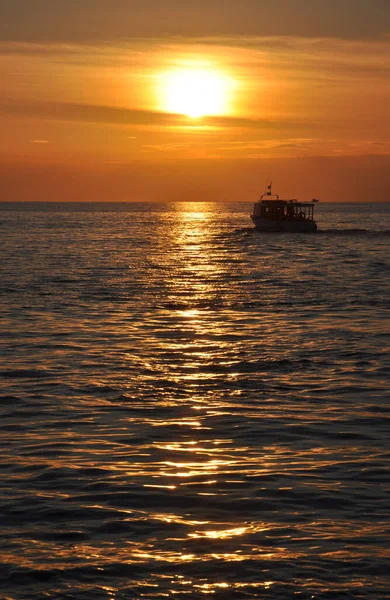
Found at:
(346, 231)
(354, 231)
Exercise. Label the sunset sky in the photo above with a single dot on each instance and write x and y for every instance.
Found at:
(156, 100)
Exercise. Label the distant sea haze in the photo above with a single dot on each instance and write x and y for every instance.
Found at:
(189, 407)
(331, 179)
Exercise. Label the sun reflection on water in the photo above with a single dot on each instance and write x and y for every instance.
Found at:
(189, 453)
(227, 533)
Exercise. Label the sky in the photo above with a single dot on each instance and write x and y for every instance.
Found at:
(168, 100)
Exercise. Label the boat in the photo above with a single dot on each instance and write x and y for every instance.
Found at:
(271, 213)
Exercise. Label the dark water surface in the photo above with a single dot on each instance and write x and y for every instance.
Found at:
(191, 409)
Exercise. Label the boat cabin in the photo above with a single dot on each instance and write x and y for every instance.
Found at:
(284, 210)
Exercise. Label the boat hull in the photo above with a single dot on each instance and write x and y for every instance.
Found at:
(286, 226)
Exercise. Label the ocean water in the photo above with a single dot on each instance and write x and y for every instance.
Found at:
(191, 409)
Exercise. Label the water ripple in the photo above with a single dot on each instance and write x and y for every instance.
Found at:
(189, 408)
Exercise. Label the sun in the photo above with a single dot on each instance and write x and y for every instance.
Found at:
(195, 92)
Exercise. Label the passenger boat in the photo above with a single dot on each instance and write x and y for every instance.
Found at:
(271, 213)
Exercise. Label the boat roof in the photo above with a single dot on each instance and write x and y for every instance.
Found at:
(269, 198)
(281, 202)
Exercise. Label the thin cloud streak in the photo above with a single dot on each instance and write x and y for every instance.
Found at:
(128, 116)
(247, 49)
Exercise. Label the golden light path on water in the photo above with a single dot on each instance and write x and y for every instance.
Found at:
(182, 463)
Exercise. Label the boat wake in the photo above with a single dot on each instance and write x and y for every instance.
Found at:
(353, 231)
(349, 231)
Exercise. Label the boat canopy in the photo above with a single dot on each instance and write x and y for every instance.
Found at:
(277, 209)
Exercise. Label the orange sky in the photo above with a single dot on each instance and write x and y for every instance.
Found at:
(87, 116)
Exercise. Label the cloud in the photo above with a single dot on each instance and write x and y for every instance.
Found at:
(292, 57)
(292, 95)
(89, 113)
(94, 20)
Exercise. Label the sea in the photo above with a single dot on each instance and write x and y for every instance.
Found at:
(191, 409)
